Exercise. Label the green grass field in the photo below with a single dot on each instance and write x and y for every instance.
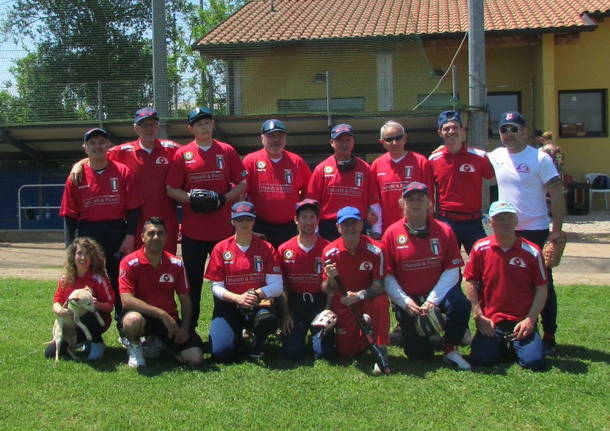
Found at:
(38, 394)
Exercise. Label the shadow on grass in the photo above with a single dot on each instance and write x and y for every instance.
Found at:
(571, 358)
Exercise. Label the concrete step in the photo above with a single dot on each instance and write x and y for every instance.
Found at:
(15, 235)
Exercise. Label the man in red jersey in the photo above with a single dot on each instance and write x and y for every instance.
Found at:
(357, 262)
(302, 267)
(149, 278)
(148, 158)
(277, 180)
(506, 283)
(104, 205)
(204, 163)
(458, 174)
(423, 265)
(397, 168)
(343, 180)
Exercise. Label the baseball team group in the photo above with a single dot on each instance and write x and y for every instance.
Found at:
(319, 258)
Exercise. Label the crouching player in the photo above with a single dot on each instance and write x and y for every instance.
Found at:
(148, 279)
(506, 284)
(354, 264)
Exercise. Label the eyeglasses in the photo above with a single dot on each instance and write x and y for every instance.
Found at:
(391, 139)
(511, 129)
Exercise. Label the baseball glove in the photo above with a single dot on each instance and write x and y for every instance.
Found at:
(205, 201)
(553, 250)
(430, 324)
(325, 320)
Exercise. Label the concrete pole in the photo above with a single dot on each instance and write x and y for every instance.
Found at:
(477, 80)
(160, 81)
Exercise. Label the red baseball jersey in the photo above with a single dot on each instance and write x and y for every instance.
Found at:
(302, 269)
(459, 178)
(417, 263)
(275, 188)
(101, 196)
(102, 290)
(507, 279)
(392, 177)
(335, 190)
(215, 169)
(357, 271)
(149, 171)
(155, 286)
(242, 271)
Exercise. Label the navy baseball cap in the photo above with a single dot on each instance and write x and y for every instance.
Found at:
(413, 187)
(340, 129)
(273, 125)
(144, 113)
(447, 116)
(94, 132)
(512, 118)
(241, 209)
(308, 204)
(347, 213)
(198, 113)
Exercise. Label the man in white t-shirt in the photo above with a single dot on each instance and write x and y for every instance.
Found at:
(525, 176)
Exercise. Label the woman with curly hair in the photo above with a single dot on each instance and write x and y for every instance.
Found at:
(85, 267)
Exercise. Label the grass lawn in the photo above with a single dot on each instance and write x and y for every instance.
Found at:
(37, 394)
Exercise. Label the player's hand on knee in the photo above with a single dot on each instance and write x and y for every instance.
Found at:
(485, 326)
(170, 324)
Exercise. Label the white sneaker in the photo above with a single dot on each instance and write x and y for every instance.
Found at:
(152, 347)
(454, 358)
(136, 355)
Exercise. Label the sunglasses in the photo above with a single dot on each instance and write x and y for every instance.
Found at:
(511, 129)
(391, 139)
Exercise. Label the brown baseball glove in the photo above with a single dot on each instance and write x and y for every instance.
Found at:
(553, 250)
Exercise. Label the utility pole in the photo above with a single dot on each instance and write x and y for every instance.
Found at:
(477, 80)
(160, 81)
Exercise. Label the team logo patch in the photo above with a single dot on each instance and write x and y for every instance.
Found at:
(227, 256)
(166, 278)
(258, 263)
(220, 161)
(188, 156)
(328, 169)
(359, 178)
(516, 261)
(318, 265)
(288, 177)
(523, 168)
(402, 239)
(408, 171)
(435, 246)
(261, 165)
(467, 167)
(288, 254)
(114, 184)
(366, 266)
(162, 161)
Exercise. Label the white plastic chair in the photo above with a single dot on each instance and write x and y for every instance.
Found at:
(590, 178)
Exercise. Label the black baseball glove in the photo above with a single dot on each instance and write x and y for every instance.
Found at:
(206, 201)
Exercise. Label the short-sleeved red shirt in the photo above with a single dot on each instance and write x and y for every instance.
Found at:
(507, 279)
(302, 269)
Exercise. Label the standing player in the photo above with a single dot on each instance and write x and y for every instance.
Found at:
(506, 284)
(245, 274)
(358, 263)
(148, 158)
(424, 273)
(104, 205)
(149, 279)
(277, 180)
(204, 163)
(525, 175)
(397, 168)
(458, 174)
(301, 260)
(343, 180)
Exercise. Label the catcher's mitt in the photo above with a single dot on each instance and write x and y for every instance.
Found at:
(205, 201)
(324, 320)
(430, 324)
(553, 250)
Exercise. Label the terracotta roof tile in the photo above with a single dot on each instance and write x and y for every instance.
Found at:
(342, 19)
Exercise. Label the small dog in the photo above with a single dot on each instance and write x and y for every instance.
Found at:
(79, 302)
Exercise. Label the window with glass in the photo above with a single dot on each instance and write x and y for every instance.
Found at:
(582, 113)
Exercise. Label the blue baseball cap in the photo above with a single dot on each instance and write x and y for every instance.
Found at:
(512, 118)
(94, 132)
(198, 113)
(413, 187)
(144, 113)
(340, 129)
(447, 116)
(347, 213)
(241, 209)
(499, 207)
(273, 125)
